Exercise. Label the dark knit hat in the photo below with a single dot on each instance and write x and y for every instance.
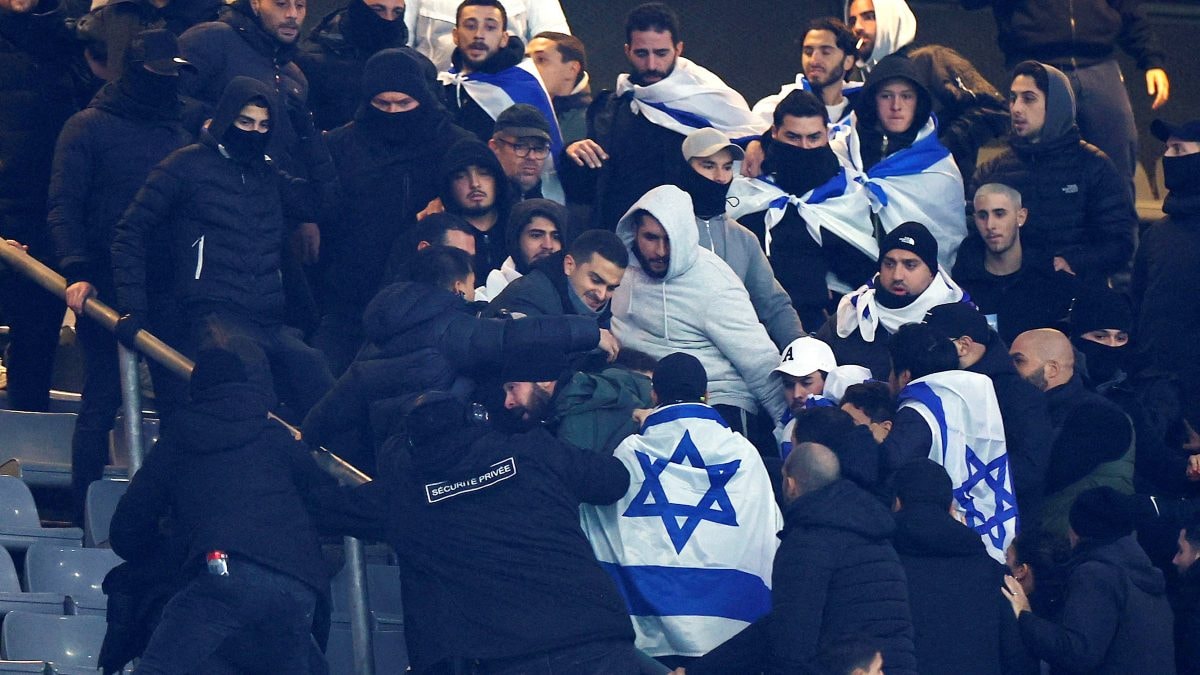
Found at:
(1164, 130)
(1099, 308)
(923, 481)
(433, 415)
(533, 364)
(393, 70)
(915, 238)
(680, 378)
(1101, 514)
(523, 121)
(956, 319)
(216, 366)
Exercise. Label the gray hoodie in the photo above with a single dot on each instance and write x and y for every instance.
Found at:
(700, 307)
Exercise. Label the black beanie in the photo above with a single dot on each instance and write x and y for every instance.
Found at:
(533, 364)
(216, 366)
(923, 481)
(393, 70)
(1101, 514)
(680, 378)
(1099, 308)
(915, 238)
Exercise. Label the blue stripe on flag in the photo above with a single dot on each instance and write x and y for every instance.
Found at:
(913, 160)
(682, 116)
(522, 87)
(653, 590)
(834, 187)
(921, 393)
(683, 411)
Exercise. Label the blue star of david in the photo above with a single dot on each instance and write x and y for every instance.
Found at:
(993, 475)
(651, 499)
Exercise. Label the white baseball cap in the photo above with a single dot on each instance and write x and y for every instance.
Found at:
(805, 355)
(707, 142)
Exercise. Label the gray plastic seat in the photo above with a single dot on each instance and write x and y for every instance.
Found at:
(12, 599)
(20, 526)
(391, 653)
(383, 596)
(26, 667)
(36, 447)
(68, 641)
(74, 572)
(98, 509)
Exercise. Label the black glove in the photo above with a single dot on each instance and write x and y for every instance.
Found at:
(127, 329)
(302, 120)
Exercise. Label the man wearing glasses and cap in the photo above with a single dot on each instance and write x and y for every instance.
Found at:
(521, 142)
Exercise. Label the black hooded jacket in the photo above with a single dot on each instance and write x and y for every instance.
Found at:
(234, 481)
(952, 581)
(465, 111)
(491, 246)
(1079, 207)
(1115, 617)
(421, 338)
(383, 184)
(500, 571)
(223, 220)
(543, 292)
(875, 143)
(103, 156)
(1089, 430)
(836, 574)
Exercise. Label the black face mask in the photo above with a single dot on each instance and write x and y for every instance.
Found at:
(1104, 363)
(708, 196)
(890, 300)
(1182, 174)
(371, 32)
(798, 170)
(150, 90)
(244, 146)
(396, 127)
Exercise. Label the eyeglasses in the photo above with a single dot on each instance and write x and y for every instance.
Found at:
(524, 150)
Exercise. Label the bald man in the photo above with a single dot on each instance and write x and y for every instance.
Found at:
(1092, 442)
(836, 554)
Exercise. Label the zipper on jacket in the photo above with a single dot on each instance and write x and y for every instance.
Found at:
(199, 246)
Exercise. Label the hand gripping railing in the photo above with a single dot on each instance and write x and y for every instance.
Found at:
(154, 348)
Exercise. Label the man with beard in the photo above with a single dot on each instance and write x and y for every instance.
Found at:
(1092, 443)
(634, 133)
(590, 410)
(827, 54)
(471, 184)
(336, 51)
(382, 160)
(710, 158)
(431, 26)
(103, 157)
(537, 229)
(682, 296)
(521, 142)
(808, 217)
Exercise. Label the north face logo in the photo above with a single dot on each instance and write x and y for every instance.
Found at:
(1070, 189)
(908, 240)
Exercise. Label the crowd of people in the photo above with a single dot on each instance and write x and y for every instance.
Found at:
(644, 372)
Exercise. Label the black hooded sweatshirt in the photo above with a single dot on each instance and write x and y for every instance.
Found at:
(223, 218)
(491, 246)
(465, 111)
(874, 142)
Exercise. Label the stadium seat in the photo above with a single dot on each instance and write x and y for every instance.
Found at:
(383, 597)
(20, 526)
(74, 572)
(66, 641)
(36, 447)
(101, 503)
(391, 654)
(26, 667)
(119, 442)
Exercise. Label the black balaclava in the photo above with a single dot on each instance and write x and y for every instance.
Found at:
(1101, 309)
(243, 147)
(798, 170)
(1182, 174)
(371, 32)
(708, 196)
(393, 70)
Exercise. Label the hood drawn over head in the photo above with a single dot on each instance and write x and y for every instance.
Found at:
(673, 208)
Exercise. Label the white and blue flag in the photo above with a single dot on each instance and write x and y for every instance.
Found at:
(496, 92)
(919, 183)
(690, 98)
(691, 544)
(961, 410)
(766, 105)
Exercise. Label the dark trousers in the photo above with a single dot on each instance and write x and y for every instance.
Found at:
(1104, 115)
(97, 410)
(34, 317)
(255, 620)
(603, 657)
(299, 372)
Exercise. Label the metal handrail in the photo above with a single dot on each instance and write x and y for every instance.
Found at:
(178, 364)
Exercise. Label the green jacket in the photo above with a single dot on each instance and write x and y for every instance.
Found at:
(1117, 474)
(594, 411)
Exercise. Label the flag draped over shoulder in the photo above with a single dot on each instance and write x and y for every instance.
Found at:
(968, 441)
(691, 544)
(919, 183)
(496, 92)
(693, 97)
(766, 105)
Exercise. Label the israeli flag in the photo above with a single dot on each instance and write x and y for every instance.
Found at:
(496, 92)
(691, 544)
(968, 441)
(766, 105)
(690, 98)
(920, 183)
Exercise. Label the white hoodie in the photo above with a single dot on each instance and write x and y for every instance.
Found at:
(700, 307)
(895, 27)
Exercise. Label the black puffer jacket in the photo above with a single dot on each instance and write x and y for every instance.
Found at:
(1115, 617)
(953, 582)
(499, 571)
(491, 247)
(1080, 31)
(836, 574)
(234, 482)
(1089, 430)
(103, 157)
(543, 292)
(422, 338)
(224, 220)
(36, 98)
(1079, 208)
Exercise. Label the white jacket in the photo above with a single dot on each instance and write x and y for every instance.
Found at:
(430, 22)
(700, 307)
